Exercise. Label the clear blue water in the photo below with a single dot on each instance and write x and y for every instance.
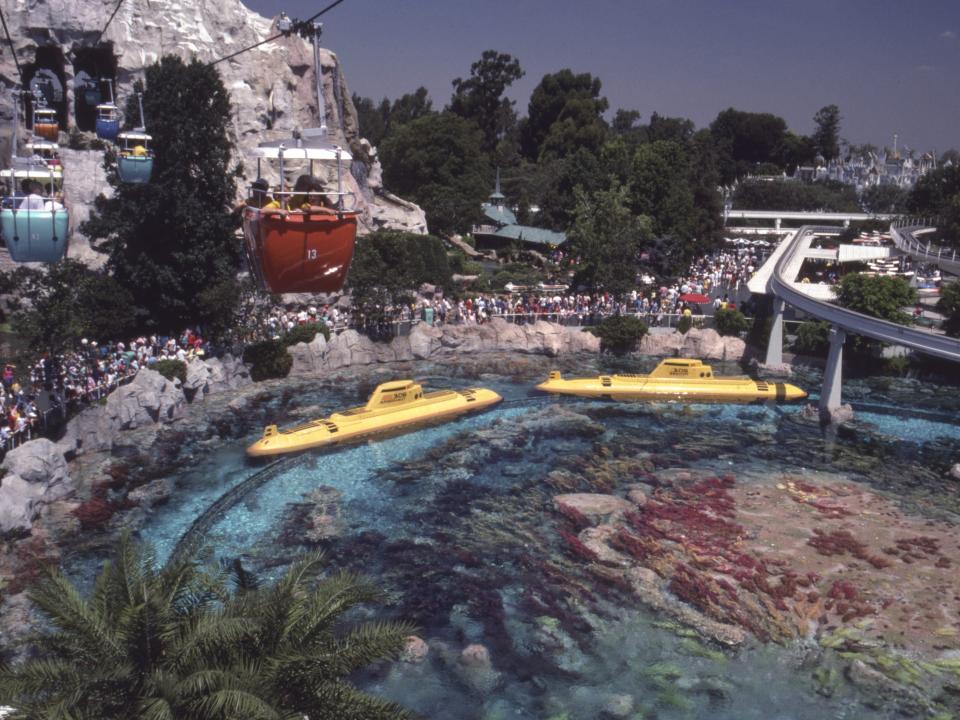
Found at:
(456, 523)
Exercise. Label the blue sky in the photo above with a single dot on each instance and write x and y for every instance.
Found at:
(890, 65)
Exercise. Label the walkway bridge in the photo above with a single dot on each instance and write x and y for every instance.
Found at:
(906, 236)
(804, 217)
(783, 286)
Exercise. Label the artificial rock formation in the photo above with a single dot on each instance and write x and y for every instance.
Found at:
(35, 475)
(272, 86)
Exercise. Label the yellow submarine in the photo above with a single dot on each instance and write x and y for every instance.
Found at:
(674, 379)
(396, 405)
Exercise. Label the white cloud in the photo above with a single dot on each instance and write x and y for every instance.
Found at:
(948, 35)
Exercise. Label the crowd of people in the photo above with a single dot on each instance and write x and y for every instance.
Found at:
(55, 383)
(37, 398)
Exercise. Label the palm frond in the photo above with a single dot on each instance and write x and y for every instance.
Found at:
(370, 642)
(341, 701)
(234, 703)
(59, 600)
(332, 597)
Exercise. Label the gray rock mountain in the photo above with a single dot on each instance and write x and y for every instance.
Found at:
(272, 86)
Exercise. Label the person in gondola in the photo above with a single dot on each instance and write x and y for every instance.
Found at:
(309, 195)
(34, 199)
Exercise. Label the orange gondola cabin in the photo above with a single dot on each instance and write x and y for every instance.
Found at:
(296, 240)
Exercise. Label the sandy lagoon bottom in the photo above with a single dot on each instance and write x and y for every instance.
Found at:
(753, 566)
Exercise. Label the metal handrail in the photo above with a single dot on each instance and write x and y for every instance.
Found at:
(852, 321)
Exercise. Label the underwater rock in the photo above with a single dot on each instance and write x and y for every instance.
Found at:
(475, 656)
(153, 493)
(618, 705)
(475, 669)
(838, 416)
(595, 539)
(780, 370)
(593, 505)
(637, 494)
(323, 519)
(648, 586)
(415, 650)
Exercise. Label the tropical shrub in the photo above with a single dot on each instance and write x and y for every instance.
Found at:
(269, 359)
(178, 643)
(306, 333)
(619, 335)
(684, 324)
(813, 338)
(949, 305)
(171, 369)
(880, 297)
(730, 321)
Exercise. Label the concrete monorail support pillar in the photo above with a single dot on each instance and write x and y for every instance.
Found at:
(833, 374)
(775, 343)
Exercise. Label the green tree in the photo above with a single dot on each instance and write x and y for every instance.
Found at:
(937, 195)
(170, 240)
(371, 118)
(660, 190)
(619, 335)
(729, 321)
(827, 135)
(377, 121)
(797, 150)
(388, 267)
(826, 195)
(67, 302)
(565, 114)
(813, 338)
(437, 161)
(949, 305)
(670, 129)
(885, 199)
(480, 97)
(746, 140)
(176, 643)
(881, 297)
(609, 239)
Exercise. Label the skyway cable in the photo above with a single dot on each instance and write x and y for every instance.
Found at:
(112, 15)
(13, 51)
(297, 25)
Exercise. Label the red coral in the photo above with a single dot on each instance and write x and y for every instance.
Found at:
(95, 513)
(577, 548)
(579, 520)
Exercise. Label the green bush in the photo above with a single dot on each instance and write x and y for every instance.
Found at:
(684, 324)
(949, 305)
(619, 335)
(306, 333)
(813, 338)
(269, 359)
(171, 369)
(729, 321)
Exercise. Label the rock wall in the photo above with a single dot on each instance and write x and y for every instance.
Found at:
(432, 343)
(35, 474)
(272, 86)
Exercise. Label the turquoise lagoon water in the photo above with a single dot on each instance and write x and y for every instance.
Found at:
(456, 523)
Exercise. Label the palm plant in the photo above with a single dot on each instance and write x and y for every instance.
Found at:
(177, 643)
